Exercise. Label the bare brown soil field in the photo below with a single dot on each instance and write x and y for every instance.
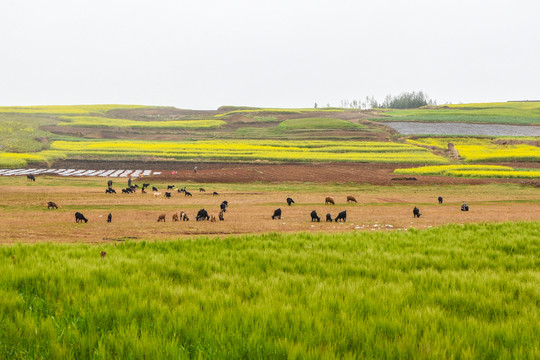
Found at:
(25, 218)
(210, 172)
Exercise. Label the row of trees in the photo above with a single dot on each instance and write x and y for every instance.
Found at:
(405, 100)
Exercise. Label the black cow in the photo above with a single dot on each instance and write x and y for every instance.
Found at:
(168, 195)
(277, 214)
(110, 191)
(31, 177)
(109, 217)
(416, 212)
(202, 190)
(109, 183)
(440, 199)
(290, 201)
(215, 193)
(329, 218)
(187, 193)
(154, 188)
(315, 217)
(464, 207)
(224, 205)
(342, 216)
(80, 217)
(170, 187)
(202, 215)
(182, 190)
(144, 186)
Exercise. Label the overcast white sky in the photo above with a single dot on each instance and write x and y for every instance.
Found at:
(201, 54)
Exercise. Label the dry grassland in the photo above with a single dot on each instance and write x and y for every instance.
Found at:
(25, 218)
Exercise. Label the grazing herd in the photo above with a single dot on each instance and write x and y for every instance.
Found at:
(203, 215)
(342, 216)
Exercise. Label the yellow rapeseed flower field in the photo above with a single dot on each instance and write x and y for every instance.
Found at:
(251, 150)
(476, 150)
(14, 160)
(476, 171)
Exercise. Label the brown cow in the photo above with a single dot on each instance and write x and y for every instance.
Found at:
(175, 217)
(351, 199)
(213, 218)
(103, 253)
(329, 200)
(161, 218)
(52, 205)
(221, 218)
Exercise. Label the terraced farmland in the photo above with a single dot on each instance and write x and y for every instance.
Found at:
(270, 150)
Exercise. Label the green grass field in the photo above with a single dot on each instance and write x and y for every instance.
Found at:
(519, 113)
(317, 123)
(94, 121)
(19, 132)
(66, 109)
(450, 292)
(270, 111)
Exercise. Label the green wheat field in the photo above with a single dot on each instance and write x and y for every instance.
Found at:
(458, 291)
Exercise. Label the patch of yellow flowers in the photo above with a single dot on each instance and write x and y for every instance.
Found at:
(252, 150)
(475, 171)
(14, 160)
(474, 150)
